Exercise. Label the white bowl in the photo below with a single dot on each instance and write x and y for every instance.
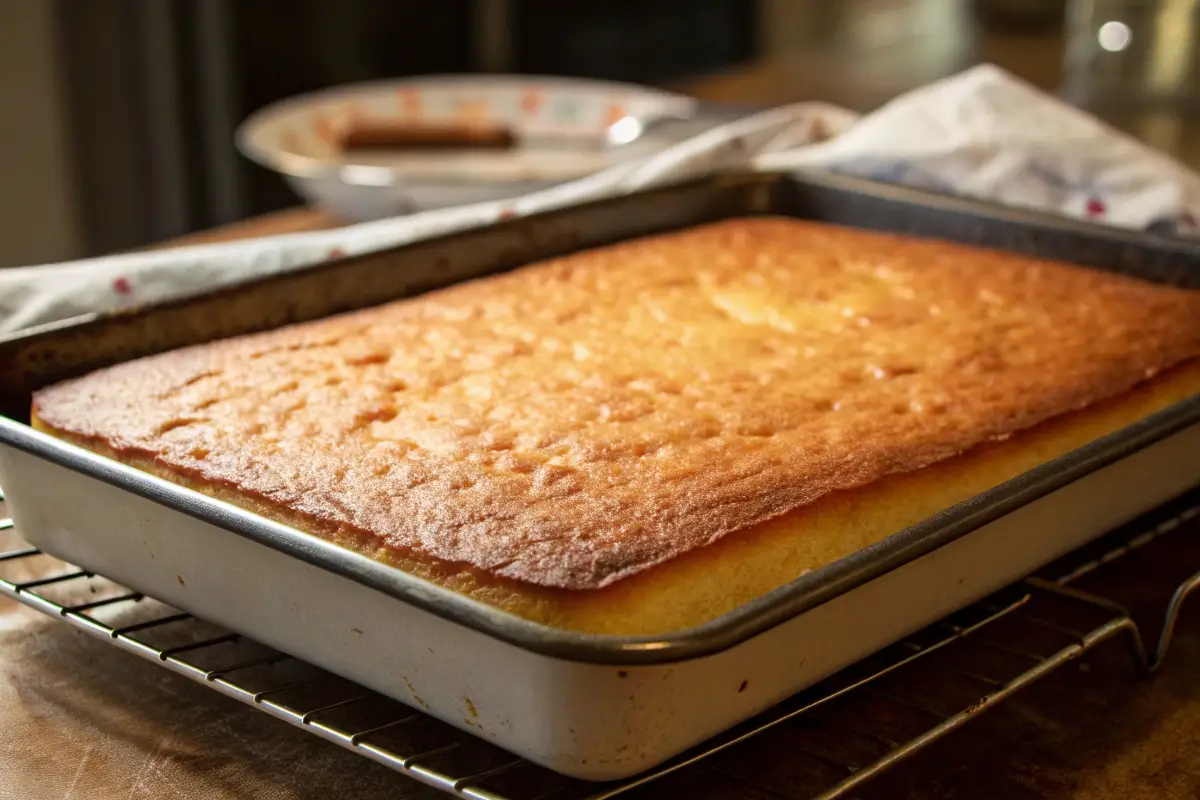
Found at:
(296, 138)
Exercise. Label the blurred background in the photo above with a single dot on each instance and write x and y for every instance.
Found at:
(118, 115)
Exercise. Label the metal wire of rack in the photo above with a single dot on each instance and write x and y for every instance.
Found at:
(917, 690)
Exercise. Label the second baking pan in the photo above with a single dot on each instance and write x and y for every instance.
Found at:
(591, 706)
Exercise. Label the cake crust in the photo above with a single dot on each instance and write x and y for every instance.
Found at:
(705, 583)
(576, 422)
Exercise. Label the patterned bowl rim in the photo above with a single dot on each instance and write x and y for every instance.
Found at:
(248, 136)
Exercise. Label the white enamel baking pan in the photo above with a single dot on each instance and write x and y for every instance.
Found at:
(592, 707)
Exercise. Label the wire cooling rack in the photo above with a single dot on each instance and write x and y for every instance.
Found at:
(837, 735)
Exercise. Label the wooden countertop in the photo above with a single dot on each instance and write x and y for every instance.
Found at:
(291, 220)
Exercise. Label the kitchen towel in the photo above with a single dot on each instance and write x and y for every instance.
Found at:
(981, 133)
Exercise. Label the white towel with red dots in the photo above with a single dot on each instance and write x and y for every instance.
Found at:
(982, 133)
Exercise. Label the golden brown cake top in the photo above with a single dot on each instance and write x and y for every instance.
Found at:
(582, 419)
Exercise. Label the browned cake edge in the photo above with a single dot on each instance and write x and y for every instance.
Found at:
(706, 583)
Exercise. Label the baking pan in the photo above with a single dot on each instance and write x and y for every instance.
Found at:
(597, 707)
